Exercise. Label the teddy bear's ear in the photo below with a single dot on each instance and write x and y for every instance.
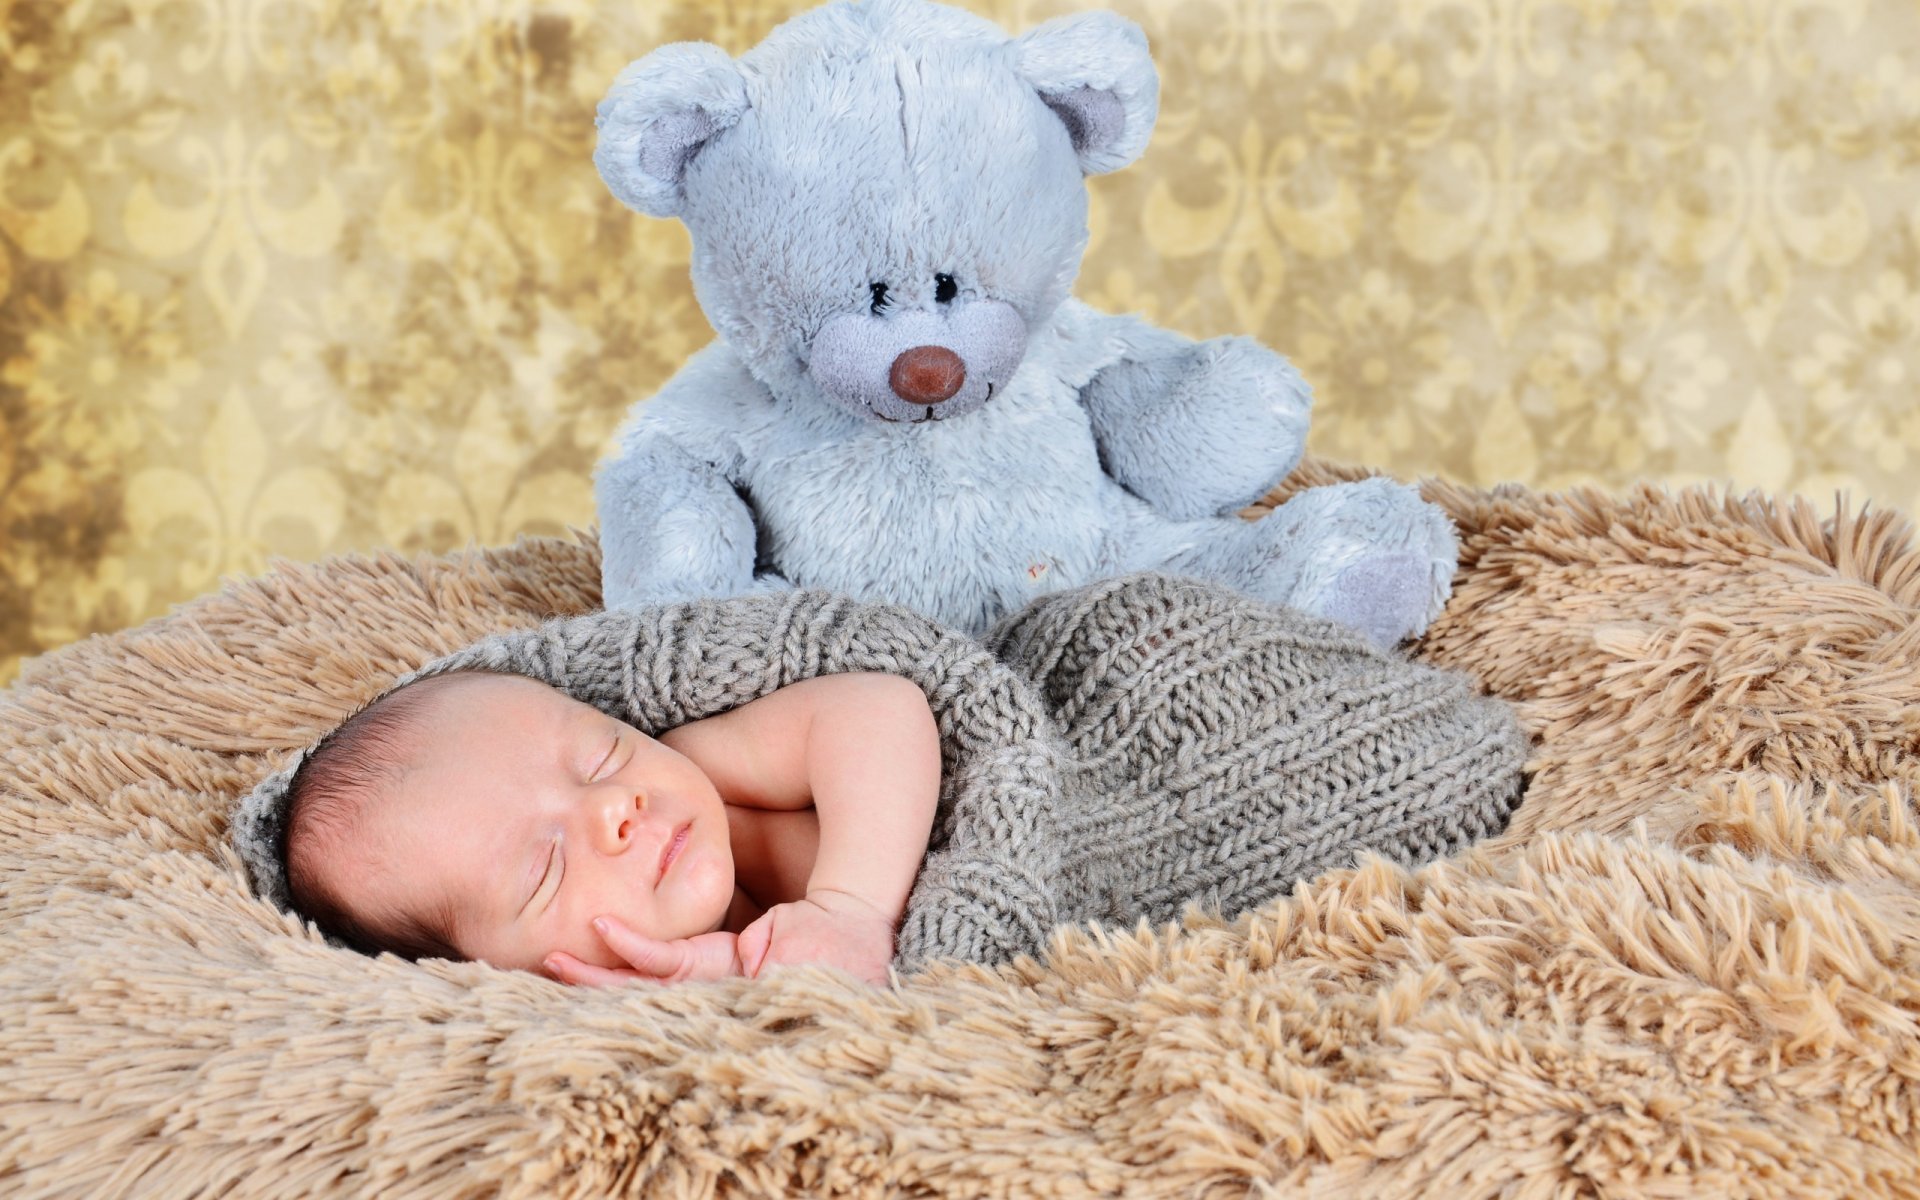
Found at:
(658, 114)
(1093, 70)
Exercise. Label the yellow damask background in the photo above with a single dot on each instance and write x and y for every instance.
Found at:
(293, 277)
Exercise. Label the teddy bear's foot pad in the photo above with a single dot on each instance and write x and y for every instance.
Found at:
(1387, 597)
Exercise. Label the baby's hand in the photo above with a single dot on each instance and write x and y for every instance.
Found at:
(707, 956)
(834, 928)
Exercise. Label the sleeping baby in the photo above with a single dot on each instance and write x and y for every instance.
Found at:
(485, 816)
(723, 786)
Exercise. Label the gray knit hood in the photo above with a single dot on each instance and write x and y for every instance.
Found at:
(1110, 753)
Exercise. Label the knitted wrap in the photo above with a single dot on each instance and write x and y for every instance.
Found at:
(1109, 753)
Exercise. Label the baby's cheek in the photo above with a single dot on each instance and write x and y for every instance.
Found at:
(706, 893)
(596, 953)
(576, 935)
(586, 945)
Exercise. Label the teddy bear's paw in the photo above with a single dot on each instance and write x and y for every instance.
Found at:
(1203, 431)
(1369, 553)
(768, 583)
(630, 596)
(1389, 597)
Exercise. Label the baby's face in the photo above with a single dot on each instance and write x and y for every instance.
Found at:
(530, 814)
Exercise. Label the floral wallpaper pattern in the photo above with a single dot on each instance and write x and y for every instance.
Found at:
(296, 277)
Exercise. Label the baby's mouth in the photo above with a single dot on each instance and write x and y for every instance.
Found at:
(670, 853)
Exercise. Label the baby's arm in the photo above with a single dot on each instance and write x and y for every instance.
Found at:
(860, 749)
(864, 752)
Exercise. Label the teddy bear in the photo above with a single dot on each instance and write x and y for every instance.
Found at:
(887, 206)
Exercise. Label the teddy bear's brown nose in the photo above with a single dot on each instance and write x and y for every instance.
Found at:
(926, 374)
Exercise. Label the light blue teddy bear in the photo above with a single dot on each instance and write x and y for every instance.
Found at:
(888, 207)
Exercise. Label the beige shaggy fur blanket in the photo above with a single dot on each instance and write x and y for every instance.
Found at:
(1690, 967)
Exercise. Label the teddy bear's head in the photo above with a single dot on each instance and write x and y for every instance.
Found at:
(887, 198)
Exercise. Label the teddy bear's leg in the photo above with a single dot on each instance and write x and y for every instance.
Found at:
(1371, 554)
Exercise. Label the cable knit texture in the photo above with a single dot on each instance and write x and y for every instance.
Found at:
(1112, 753)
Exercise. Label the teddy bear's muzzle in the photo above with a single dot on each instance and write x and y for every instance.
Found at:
(896, 368)
(926, 374)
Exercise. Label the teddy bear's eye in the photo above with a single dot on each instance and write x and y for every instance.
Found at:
(944, 288)
(879, 291)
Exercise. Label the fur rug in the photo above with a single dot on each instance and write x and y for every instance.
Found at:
(1690, 967)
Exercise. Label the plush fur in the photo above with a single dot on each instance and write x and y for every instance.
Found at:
(892, 176)
(1690, 968)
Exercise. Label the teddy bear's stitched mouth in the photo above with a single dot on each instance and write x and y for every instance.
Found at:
(930, 414)
(922, 420)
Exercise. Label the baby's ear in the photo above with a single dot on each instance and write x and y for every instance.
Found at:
(657, 115)
(1094, 71)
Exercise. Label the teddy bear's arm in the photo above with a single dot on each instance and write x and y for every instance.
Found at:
(1196, 429)
(671, 526)
(675, 522)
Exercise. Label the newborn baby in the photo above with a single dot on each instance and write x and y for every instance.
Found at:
(837, 781)
(486, 816)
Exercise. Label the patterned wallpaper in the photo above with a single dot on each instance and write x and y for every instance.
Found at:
(293, 277)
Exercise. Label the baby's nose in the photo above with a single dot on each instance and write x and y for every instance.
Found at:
(618, 820)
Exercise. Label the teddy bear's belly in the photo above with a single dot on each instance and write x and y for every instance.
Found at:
(940, 520)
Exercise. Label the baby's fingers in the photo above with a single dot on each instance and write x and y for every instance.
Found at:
(752, 944)
(708, 956)
(568, 969)
(656, 960)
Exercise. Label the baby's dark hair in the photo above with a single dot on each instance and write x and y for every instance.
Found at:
(327, 797)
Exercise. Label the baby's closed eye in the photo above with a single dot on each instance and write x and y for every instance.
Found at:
(605, 766)
(554, 867)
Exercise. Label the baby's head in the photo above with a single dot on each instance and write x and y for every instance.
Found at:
(487, 816)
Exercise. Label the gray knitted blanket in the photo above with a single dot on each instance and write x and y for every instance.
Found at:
(1110, 753)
